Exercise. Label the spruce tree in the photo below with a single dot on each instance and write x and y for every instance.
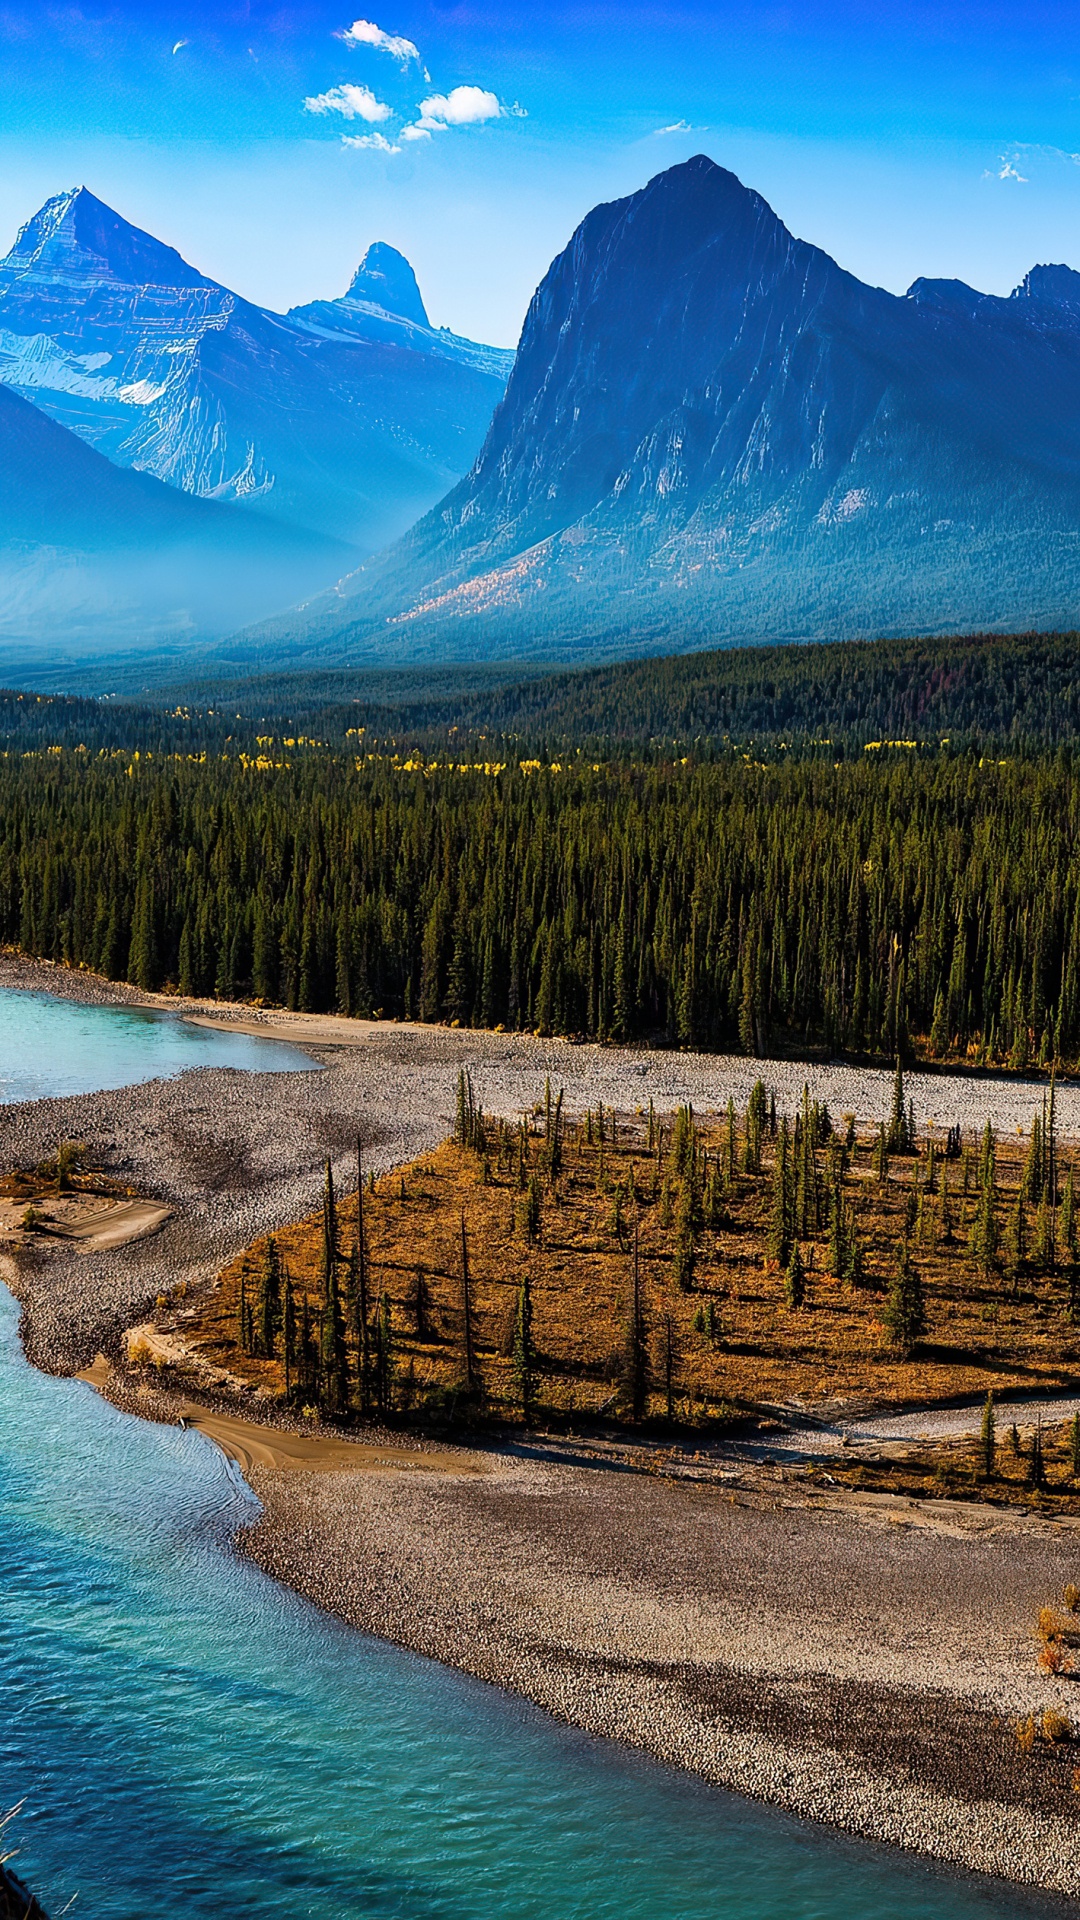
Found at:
(333, 1357)
(795, 1279)
(268, 1317)
(904, 1314)
(524, 1358)
(636, 1357)
(468, 1352)
(781, 1225)
(288, 1332)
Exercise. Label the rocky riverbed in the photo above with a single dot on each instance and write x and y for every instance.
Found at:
(863, 1661)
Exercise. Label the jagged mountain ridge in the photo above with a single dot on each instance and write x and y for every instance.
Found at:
(164, 370)
(714, 432)
(94, 557)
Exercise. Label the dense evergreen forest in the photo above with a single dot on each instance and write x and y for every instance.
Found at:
(894, 902)
(870, 849)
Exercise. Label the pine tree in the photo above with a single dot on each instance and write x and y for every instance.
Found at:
(421, 1306)
(361, 1292)
(988, 1439)
(523, 1355)
(636, 1357)
(983, 1239)
(468, 1351)
(881, 1154)
(331, 1249)
(288, 1332)
(333, 1357)
(268, 1317)
(1074, 1446)
(781, 1225)
(904, 1315)
(795, 1279)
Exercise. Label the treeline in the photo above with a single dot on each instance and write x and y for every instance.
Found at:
(1014, 693)
(871, 906)
(1017, 691)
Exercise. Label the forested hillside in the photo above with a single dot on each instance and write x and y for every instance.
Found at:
(894, 902)
(1018, 692)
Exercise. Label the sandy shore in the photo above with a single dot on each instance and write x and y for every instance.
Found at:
(861, 1660)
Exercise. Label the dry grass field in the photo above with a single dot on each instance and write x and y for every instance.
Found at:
(715, 1333)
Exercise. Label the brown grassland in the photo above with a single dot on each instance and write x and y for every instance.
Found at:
(716, 1344)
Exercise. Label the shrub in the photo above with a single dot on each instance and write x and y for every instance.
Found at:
(1071, 1597)
(1025, 1734)
(1056, 1728)
(1053, 1658)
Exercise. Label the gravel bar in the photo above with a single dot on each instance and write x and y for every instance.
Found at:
(860, 1660)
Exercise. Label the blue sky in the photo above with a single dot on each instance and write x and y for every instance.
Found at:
(939, 139)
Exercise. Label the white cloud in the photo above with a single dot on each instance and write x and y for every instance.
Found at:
(1007, 171)
(415, 132)
(179, 45)
(354, 103)
(364, 33)
(677, 126)
(462, 107)
(376, 141)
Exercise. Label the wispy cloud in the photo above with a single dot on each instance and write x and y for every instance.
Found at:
(677, 126)
(377, 142)
(1032, 157)
(461, 107)
(179, 45)
(353, 103)
(364, 33)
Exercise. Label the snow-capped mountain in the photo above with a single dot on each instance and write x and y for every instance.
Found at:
(712, 432)
(346, 431)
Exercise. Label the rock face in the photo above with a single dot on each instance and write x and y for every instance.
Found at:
(343, 431)
(95, 557)
(714, 433)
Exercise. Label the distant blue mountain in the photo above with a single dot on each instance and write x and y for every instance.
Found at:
(384, 304)
(94, 558)
(349, 428)
(713, 433)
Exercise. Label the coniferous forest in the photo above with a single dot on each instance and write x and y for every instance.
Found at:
(914, 896)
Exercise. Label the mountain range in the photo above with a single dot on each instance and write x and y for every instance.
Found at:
(325, 432)
(348, 418)
(713, 432)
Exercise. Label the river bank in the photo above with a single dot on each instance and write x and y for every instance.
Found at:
(860, 1662)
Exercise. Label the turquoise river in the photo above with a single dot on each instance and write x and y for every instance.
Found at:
(191, 1740)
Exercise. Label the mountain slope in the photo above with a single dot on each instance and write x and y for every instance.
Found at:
(713, 432)
(93, 557)
(118, 338)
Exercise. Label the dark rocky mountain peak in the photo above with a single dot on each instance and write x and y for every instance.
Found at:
(385, 279)
(1051, 286)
